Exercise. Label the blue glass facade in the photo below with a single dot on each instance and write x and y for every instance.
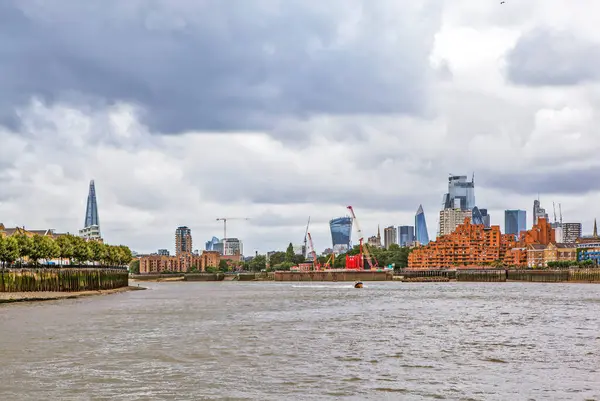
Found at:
(421, 234)
(406, 235)
(212, 244)
(91, 211)
(461, 193)
(341, 230)
(481, 216)
(515, 221)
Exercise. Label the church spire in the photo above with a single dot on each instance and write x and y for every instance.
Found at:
(595, 235)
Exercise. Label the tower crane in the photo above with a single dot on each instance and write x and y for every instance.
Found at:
(316, 264)
(305, 234)
(361, 238)
(224, 219)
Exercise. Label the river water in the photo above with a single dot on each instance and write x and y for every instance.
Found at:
(284, 341)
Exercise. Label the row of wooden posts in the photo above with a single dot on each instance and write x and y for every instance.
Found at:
(501, 275)
(63, 280)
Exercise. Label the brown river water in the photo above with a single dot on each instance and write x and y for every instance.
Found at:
(286, 341)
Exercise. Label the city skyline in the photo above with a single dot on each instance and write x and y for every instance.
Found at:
(469, 88)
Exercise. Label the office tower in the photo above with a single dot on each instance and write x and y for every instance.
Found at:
(183, 240)
(232, 247)
(538, 211)
(209, 245)
(461, 193)
(480, 216)
(515, 221)
(389, 236)
(91, 228)
(421, 235)
(341, 231)
(452, 218)
(571, 231)
(406, 235)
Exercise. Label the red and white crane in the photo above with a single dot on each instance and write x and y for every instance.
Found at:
(361, 238)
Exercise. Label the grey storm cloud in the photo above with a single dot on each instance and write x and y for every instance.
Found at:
(571, 182)
(543, 57)
(215, 65)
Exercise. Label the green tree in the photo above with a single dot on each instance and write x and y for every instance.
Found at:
(289, 253)
(25, 245)
(258, 263)
(298, 259)
(125, 255)
(134, 266)
(97, 251)
(81, 250)
(277, 258)
(223, 265)
(9, 250)
(66, 247)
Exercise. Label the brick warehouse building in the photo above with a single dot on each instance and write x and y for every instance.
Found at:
(181, 263)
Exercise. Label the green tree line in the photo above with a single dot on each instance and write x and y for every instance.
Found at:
(38, 250)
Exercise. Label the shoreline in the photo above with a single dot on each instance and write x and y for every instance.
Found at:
(12, 297)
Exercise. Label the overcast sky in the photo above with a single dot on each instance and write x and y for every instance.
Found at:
(185, 111)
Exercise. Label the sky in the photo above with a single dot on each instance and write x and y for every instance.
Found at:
(275, 110)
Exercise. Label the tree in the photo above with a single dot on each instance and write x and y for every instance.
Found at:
(134, 266)
(81, 250)
(277, 258)
(223, 265)
(258, 263)
(289, 253)
(25, 243)
(125, 254)
(98, 251)
(66, 247)
(9, 250)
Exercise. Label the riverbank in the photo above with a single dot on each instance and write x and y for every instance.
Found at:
(9, 297)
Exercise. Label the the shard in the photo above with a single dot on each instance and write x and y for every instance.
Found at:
(91, 211)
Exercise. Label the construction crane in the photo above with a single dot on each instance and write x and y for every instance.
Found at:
(224, 219)
(560, 213)
(305, 234)
(316, 265)
(361, 237)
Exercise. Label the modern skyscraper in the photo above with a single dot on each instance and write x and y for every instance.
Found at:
(341, 231)
(183, 240)
(232, 247)
(571, 231)
(91, 228)
(421, 235)
(461, 193)
(480, 216)
(390, 236)
(538, 211)
(208, 245)
(515, 221)
(406, 235)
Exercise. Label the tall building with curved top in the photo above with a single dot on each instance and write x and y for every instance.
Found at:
(341, 231)
(421, 234)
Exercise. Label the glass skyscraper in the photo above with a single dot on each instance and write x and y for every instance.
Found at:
(91, 211)
(461, 193)
(341, 230)
(515, 221)
(481, 216)
(406, 235)
(421, 234)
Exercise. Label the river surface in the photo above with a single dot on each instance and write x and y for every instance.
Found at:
(285, 341)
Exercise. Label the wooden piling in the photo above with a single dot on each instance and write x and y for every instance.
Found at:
(62, 280)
